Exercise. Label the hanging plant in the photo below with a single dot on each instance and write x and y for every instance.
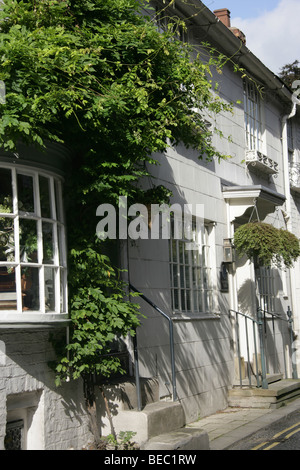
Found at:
(289, 247)
(266, 244)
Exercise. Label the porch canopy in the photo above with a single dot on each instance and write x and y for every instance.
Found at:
(242, 199)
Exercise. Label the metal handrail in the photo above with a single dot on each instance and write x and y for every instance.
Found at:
(257, 322)
(243, 315)
(275, 315)
(260, 322)
(153, 305)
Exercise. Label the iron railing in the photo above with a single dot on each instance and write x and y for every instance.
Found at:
(257, 343)
(171, 341)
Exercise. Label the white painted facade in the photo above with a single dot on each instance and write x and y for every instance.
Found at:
(205, 341)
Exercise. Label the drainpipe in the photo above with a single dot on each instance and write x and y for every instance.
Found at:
(286, 163)
(288, 195)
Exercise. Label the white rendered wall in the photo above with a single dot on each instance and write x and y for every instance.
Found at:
(54, 418)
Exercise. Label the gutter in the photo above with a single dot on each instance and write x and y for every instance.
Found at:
(201, 16)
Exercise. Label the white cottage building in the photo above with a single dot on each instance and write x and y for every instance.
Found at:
(206, 294)
(189, 353)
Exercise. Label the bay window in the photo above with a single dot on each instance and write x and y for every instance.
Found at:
(32, 242)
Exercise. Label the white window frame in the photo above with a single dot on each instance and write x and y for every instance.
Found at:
(253, 116)
(58, 264)
(184, 261)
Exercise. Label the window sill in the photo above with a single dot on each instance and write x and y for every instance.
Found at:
(195, 316)
(33, 320)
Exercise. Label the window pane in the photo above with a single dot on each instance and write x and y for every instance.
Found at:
(174, 250)
(186, 256)
(28, 241)
(188, 301)
(30, 288)
(49, 289)
(59, 211)
(7, 240)
(196, 257)
(176, 299)
(181, 251)
(187, 277)
(181, 271)
(25, 193)
(6, 205)
(48, 247)
(63, 300)
(205, 278)
(61, 237)
(183, 307)
(175, 276)
(200, 303)
(8, 295)
(45, 197)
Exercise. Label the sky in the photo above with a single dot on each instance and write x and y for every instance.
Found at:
(271, 28)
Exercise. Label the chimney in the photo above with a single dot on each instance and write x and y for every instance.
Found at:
(224, 15)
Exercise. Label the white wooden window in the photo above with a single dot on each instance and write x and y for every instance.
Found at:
(253, 117)
(32, 242)
(191, 272)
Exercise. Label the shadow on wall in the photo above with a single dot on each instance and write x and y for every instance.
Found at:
(61, 412)
(203, 347)
(276, 333)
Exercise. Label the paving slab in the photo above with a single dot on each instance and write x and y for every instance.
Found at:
(232, 425)
(181, 439)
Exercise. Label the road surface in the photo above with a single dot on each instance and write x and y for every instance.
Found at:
(282, 435)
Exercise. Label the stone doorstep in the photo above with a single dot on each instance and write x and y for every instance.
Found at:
(275, 396)
(276, 389)
(271, 378)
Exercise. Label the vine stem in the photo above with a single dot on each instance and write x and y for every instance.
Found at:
(113, 432)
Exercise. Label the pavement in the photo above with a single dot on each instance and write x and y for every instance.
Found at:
(230, 426)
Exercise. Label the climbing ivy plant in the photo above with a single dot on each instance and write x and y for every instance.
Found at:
(99, 77)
